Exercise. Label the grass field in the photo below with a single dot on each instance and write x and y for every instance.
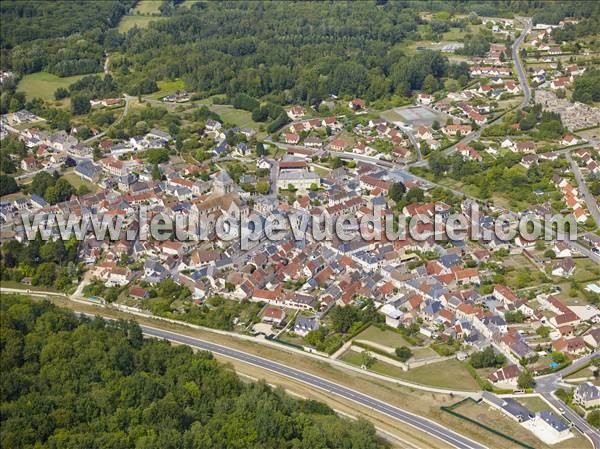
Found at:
(386, 338)
(144, 12)
(535, 404)
(43, 84)
(77, 182)
(166, 88)
(128, 22)
(454, 373)
(237, 117)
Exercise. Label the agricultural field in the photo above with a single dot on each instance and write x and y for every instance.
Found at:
(42, 84)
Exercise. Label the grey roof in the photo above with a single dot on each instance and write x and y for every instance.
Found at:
(554, 421)
(588, 391)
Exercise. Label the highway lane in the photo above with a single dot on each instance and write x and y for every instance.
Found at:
(423, 424)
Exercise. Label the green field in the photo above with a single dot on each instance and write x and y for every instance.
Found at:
(144, 12)
(43, 84)
(535, 404)
(234, 116)
(454, 376)
(77, 182)
(128, 22)
(387, 338)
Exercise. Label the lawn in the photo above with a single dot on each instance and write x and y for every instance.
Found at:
(167, 87)
(387, 338)
(77, 182)
(447, 374)
(44, 84)
(535, 404)
(237, 117)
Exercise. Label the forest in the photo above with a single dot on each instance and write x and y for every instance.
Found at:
(75, 382)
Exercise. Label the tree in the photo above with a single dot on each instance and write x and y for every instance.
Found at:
(397, 190)
(403, 353)
(415, 195)
(526, 380)
(430, 84)
(367, 360)
(80, 104)
(543, 331)
(487, 358)
(156, 175)
(342, 318)
(61, 93)
(260, 149)
(8, 185)
(593, 418)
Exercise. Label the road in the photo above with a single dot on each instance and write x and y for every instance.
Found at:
(590, 200)
(546, 385)
(423, 424)
(519, 65)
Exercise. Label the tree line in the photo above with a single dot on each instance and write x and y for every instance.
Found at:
(74, 382)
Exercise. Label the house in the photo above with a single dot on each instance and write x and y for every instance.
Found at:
(511, 87)
(506, 375)
(29, 163)
(504, 294)
(456, 130)
(575, 345)
(357, 105)
(212, 125)
(338, 145)
(587, 395)
(469, 153)
(560, 83)
(304, 324)
(88, 170)
(291, 138)
(393, 316)
(423, 133)
(424, 98)
(564, 268)
(273, 314)
(138, 293)
(569, 140)
(296, 112)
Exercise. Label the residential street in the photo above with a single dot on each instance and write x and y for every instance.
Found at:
(590, 200)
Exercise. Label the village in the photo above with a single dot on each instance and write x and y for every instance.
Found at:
(400, 308)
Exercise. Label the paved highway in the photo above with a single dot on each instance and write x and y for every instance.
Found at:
(423, 424)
